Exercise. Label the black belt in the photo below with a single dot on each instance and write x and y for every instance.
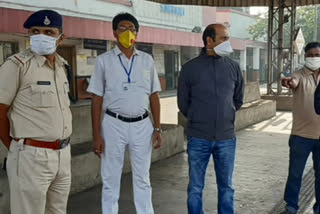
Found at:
(127, 119)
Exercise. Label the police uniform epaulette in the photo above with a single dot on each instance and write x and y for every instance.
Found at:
(22, 57)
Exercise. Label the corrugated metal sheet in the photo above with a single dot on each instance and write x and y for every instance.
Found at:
(236, 3)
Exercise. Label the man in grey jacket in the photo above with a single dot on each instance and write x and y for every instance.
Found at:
(210, 91)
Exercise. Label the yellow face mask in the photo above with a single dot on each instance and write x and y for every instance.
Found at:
(127, 39)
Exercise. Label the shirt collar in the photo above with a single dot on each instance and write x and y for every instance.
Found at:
(117, 51)
(203, 53)
(41, 60)
(308, 71)
(60, 60)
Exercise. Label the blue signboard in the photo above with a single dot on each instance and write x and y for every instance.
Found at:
(172, 9)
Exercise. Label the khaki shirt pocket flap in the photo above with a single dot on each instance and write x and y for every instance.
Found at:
(43, 95)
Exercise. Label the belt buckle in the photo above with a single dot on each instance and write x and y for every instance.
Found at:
(64, 143)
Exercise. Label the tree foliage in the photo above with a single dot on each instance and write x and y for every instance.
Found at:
(259, 30)
(305, 19)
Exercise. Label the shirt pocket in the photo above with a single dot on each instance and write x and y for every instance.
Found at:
(43, 96)
(146, 82)
(147, 75)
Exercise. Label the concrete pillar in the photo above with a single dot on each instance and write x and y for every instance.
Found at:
(256, 63)
(243, 63)
(1, 55)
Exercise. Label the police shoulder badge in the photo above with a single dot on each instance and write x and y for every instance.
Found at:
(22, 57)
(46, 21)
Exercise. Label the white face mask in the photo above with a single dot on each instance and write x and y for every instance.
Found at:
(223, 49)
(43, 45)
(313, 63)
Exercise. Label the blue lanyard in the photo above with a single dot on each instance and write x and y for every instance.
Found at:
(128, 73)
(315, 81)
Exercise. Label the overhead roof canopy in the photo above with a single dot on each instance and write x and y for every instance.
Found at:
(236, 3)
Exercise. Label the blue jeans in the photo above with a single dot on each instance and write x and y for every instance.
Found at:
(300, 149)
(199, 152)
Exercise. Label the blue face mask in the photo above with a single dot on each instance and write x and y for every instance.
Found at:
(43, 45)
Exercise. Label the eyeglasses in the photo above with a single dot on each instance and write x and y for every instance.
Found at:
(123, 29)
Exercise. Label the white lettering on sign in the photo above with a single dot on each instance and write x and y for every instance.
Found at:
(172, 9)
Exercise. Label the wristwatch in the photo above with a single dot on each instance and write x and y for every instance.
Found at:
(157, 130)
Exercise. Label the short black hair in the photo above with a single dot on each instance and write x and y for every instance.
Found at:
(124, 17)
(210, 31)
(311, 45)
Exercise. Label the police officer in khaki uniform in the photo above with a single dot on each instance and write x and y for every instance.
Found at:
(35, 120)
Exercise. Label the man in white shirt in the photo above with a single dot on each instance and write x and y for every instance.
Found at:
(124, 85)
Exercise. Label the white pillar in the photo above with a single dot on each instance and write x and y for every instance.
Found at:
(243, 59)
(256, 58)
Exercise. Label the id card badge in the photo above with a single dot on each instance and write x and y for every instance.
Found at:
(128, 86)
